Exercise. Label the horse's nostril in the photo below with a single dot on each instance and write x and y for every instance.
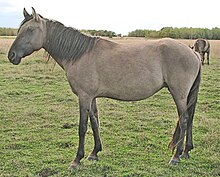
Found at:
(11, 55)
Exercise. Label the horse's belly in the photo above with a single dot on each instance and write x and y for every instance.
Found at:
(130, 92)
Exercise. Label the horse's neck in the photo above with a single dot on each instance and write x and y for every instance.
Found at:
(66, 45)
(50, 45)
(62, 63)
(47, 43)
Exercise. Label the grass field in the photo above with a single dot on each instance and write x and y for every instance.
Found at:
(37, 105)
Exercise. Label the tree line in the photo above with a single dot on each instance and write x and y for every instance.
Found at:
(104, 33)
(8, 32)
(178, 33)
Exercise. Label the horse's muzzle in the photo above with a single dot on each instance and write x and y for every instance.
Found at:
(14, 58)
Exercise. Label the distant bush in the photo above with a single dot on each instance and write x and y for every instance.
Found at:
(103, 33)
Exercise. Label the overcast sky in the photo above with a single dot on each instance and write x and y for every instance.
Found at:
(120, 16)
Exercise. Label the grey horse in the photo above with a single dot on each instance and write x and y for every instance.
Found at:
(96, 68)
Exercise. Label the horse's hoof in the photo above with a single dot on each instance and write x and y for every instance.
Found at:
(92, 157)
(185, 156)
(73, 166)
(174, 161)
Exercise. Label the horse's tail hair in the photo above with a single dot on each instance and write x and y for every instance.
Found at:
(175, 140)
(191, 104)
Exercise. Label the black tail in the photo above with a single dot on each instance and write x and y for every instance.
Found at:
(192, 97)
(176, 136)
(191, 104)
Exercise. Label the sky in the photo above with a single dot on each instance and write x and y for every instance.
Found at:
(120, 16)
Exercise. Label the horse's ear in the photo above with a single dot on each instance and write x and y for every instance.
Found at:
(25, 13)
(35, 15)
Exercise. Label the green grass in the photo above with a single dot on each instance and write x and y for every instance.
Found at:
(36, 103)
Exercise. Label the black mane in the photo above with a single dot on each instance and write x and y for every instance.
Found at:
(66, 42)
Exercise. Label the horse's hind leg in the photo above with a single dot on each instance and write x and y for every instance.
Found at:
(189, 138)
(179, 134)
(208, 57)
(202, 57)
(189, 142)
(95, 128)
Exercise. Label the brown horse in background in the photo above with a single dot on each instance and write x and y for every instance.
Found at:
(202, 46)
(97, 68)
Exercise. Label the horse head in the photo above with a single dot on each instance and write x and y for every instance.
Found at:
(30, 37)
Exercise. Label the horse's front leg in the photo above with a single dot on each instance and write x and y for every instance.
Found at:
(95, 128)
(84, 106)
